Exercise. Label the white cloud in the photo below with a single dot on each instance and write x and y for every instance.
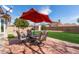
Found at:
(45, 10)
(72, 19)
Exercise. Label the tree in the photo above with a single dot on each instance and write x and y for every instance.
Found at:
(20, 23)
(59, 20)
(78, 20)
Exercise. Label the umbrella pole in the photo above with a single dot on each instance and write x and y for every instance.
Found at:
(34, 29)
(39, 27)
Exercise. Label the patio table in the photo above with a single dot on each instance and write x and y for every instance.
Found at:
(34, 36)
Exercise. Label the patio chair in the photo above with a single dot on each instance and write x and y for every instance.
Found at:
(32, 39)
(29, 35)
(21, 36)
(18, 34)
(37, 40)
(44, 36)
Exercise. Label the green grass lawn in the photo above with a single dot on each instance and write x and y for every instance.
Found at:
(70, 37)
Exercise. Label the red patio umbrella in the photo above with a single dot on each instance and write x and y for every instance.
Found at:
(35, 16)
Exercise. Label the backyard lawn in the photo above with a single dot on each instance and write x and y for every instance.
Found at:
(70, 37)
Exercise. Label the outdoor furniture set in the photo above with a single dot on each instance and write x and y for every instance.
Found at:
(32, 38)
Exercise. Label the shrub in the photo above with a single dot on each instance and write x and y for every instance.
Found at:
(21, 23)
(10, 36)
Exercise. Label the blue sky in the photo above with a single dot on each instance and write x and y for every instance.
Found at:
(66, 13)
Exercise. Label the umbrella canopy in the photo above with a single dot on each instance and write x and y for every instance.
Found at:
(35, 16)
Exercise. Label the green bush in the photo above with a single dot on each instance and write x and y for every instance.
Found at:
(10, 36)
